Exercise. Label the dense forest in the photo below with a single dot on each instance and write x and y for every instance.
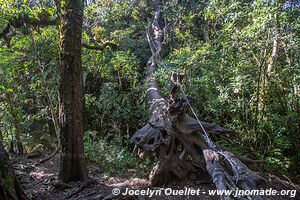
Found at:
(103, 96)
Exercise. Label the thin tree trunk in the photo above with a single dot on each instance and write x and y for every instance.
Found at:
(267, 73)
(259, 90)
(53, 110)
(274, 52)
(16, 123)
(72, 166)
(295, 99)
(1, 136)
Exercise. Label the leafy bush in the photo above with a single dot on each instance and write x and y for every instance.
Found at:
(111, 157)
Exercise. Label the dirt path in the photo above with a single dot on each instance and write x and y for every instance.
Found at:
(39, 183)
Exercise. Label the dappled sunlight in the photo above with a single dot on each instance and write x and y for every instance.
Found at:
(40, 172)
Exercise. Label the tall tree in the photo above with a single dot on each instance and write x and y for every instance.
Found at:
(72, 166)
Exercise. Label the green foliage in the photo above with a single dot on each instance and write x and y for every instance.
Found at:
(223, 47)
(225, 64)
(114, 108)
(28, 81)
(111, 113)
(111, 157)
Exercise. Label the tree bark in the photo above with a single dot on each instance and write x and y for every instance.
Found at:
(1, 135)
(10, 188)
(72, 166)
(274, 51)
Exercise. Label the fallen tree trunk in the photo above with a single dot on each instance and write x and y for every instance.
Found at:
(181, 143)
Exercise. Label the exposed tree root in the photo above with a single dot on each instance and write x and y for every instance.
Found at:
(136, 182)
(47, 158)
(82, 187)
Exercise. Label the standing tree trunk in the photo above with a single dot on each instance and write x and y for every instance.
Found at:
(15, 118)
(72, 166)
(51, 105)
(274, 51)
(10, 188)
(1, 135)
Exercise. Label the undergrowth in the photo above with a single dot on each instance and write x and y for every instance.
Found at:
(111, 157)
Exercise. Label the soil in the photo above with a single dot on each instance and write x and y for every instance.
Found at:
(40, 183)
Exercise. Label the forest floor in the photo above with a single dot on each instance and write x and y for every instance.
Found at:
(39, 182)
